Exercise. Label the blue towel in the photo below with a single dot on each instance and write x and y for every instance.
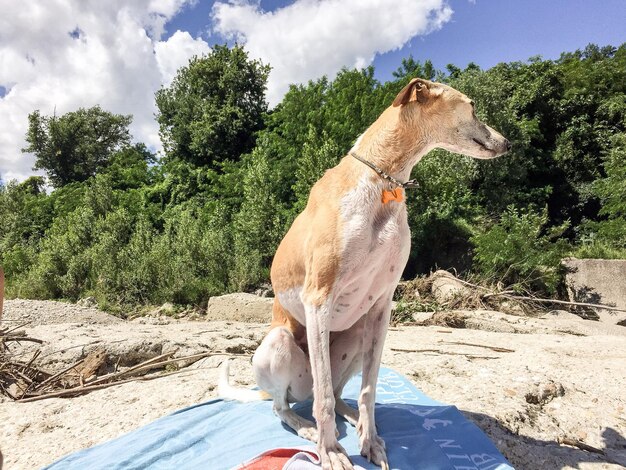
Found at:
(420, 433)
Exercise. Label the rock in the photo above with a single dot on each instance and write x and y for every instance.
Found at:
(87, 302)
(166, 309)
(265, 290)
(562, 314)
(544, 393)
(48, 312)
(240, 307)
(512, 308)
(422, 318)
(153, 320)
(494, 321)
(601, 281)
(446, 287)
(445, 318)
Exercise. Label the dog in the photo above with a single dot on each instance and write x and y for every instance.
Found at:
(335, 271)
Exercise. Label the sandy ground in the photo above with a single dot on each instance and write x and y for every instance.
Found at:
(555, 377)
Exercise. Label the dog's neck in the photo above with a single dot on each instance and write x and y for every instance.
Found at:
(387, 145)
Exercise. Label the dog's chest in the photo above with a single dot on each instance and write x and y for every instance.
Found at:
(376, 243)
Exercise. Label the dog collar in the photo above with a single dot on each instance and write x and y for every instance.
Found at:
(395, 194)
(409, 184)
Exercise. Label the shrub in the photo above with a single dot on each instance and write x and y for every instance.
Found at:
(521, 251)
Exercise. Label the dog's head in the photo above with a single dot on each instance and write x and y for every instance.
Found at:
(450, 120)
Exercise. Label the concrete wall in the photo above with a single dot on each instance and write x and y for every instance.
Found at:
(598, 281)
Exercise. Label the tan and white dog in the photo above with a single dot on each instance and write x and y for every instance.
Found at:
(335, 272)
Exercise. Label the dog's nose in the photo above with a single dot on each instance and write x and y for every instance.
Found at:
(507, 144)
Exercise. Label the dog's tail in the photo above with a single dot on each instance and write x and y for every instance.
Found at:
(226, 391)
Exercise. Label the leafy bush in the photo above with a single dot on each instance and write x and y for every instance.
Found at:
(521, 250)
(611, 190)
(442, 212)
(62, 267)
(258, 226)
(599, 249)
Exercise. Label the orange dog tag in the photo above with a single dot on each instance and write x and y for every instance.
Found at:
(393, 195)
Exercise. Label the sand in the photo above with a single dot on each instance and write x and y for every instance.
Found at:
(526, 382)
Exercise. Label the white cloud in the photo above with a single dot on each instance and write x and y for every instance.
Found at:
(66, 54)
(311, 38)
(176, 51)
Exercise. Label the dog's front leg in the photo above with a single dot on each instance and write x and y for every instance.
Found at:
(333, 455)
(372, 446)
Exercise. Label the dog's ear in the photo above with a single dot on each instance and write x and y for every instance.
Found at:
(417, 90)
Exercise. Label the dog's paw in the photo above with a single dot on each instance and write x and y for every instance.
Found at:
(309, 432)
(350, 414)
(335, 458)
(373, 449)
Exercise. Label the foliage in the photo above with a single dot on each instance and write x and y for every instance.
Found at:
(319, 153)
(206, 218)
(442, 211)
(76, 145)
(520, 251)
(213, 107)
(611, 191)
(258, 226)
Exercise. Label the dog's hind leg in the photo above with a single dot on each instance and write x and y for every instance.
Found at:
(346, 411)
(303, 427)
(282, 369)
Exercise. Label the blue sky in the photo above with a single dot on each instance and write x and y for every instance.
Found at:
(127, 50)
(482, 31)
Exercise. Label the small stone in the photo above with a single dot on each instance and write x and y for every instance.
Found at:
(544, 393)
(87, 302)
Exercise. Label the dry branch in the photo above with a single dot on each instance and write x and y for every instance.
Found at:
(561, 302)
(152, 363)
(58, 375)
(32, 359)
(23, 381)
(441, 351)
(18, 338)
(581, 445)
(509, 295)
(15, 328)
(90, 388)
(493, 348)
(98, 385)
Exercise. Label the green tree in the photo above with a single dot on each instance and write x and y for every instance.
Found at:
(611, 191)
(25, 215)
(442, 211)
(319, 153)
(259, 224)
(352, 104)
(412, 68)
(76, 145)
(213, 108)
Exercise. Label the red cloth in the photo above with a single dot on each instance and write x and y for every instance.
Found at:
(272, 460)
